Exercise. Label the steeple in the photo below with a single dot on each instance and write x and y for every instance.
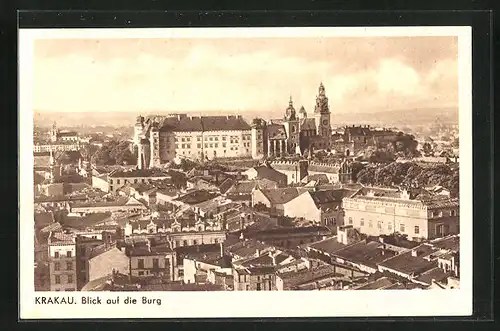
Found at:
(321, 101)
(52, 164)
(290, 114)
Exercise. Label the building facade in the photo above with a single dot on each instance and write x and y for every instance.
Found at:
(161, 139)
(62, 262)
(418, 219)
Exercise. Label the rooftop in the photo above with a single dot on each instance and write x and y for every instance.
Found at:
(328, 245)
(138, 173)
(184, 123)
(409, 264)
(145, 250)
(280, 196)
(451, 243)
(366, 253)
(436, 274)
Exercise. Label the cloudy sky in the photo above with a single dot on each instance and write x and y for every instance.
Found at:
(363, 74)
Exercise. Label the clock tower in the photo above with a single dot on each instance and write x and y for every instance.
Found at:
(322, 114)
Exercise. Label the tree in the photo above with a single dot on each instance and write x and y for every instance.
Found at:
(427, 148)
(179, 179)
(115, 152)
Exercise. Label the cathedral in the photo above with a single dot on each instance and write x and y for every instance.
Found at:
(296, 133)
(160, 139)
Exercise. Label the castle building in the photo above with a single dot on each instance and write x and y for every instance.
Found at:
(296, 133)
(160, 139)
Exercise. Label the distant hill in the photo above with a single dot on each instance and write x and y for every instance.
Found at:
(420, 116)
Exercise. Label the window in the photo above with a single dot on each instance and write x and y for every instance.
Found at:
(379, 224)
(141, 273)
(111, 181)
(117, 181)
(177, 243)
(370, 223)
(258, 287)
(362, 222)
(198, 145)
(223, 144)
(195, 242)
(58, 279)
(402, 227)
(206, 145)
(248, 287)
(350, 220)
(135, 181)
(69, 265)
(453, 212)
(389, 226)
(216, 139)
(417, 230)
(57, 266)
(156, 264)
(216, 241)
(140, 263)
(185, 243)
(144, 180)
(70, 279)
(223, 138)
(56, 255)
(69, 254)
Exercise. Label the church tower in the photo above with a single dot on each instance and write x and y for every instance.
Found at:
(53, 133)
(322, 114)
(291, 123)
(55, 169)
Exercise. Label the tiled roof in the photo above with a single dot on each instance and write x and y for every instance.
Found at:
(281, 195)
(138, 173)
(144, 250)
(295, 230)
(226, 185)
(379, 284)
(182, 287)
(265, 172)
(409, 264)
(325, 198)
(436, 274)
(185, 123)
(62, 237)
(83, 222)
(366, 253)
(307, 124)
(451, 243)
(196, 197)
(276, 131)
(328, 245)
(104, 283)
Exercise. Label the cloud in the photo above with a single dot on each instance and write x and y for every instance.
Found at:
(236, 75)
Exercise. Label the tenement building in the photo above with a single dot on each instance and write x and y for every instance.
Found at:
(161, 139)
(376, 212)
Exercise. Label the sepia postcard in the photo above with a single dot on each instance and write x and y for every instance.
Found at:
(245, 172)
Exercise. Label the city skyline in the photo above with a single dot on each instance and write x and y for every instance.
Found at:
(176, 75)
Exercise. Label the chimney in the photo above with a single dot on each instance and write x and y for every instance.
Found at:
(148, 243)
(221, 249)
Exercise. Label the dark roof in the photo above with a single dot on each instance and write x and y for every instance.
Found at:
(182, 287)
(436, 274)
(138, 173)
(83, 222)
(276, 131)
(408, 264)
(204, 123)
(329, 245)
(378, 284)
(451, 243)
(281, 195)
(328, 198)
(226, 185)
(357, 130)
(265, 172)
(144, 250)
(295, 230)
(104, 283)
(196, 197)
(366, 253)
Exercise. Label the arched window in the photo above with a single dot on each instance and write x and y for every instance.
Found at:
(293, 128)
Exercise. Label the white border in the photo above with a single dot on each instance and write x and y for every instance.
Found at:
(456, 302)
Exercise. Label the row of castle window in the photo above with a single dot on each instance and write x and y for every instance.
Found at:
(68, 254)
(213, 138)
(208, 145)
